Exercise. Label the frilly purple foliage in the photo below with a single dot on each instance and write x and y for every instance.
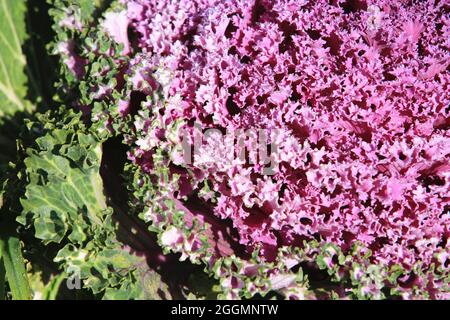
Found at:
(359, 91)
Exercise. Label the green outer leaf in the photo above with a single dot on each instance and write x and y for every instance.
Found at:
(69, 196)
(13, 64)
(15, 267)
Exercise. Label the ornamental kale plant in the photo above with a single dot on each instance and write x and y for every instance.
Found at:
(210, 149)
